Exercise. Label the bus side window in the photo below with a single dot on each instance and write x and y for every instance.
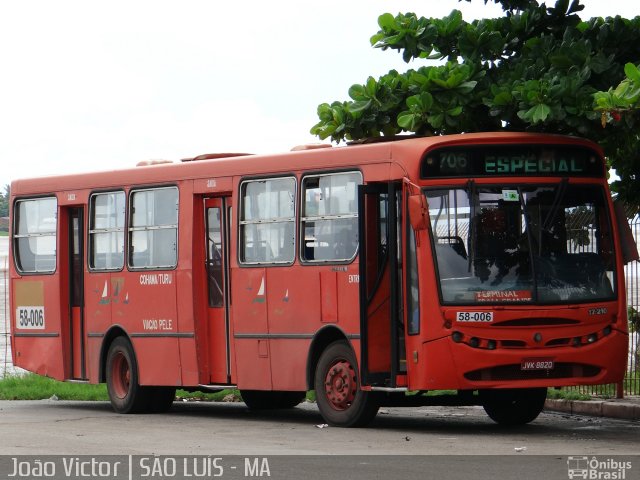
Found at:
(329, 218)
(153, 229)
(267, 219)
(106, 231)
(35, 235)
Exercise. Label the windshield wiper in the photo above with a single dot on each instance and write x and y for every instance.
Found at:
(553, 211)
(471, 192)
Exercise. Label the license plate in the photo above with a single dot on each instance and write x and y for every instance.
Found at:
(537, 364)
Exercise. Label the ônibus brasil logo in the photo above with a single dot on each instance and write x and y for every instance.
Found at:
(597, 469)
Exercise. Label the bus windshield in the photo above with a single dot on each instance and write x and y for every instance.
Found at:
(522, 244)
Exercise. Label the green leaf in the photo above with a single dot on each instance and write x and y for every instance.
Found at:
(539, 113)
(631, 71)
(502, 99)
(437, 120)
(371, 87)
(357, 92)
(561, 7)
(393, 39)
(467, 87)
(359, 106)
(421, 102)
(387, 21)
(376, 38)
(407, 120)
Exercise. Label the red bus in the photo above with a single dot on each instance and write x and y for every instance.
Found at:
(487, 264)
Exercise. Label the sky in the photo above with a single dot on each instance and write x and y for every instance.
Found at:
(94, 85)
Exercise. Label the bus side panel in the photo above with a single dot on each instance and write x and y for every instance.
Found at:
(300, 301)
(188, 360)
(38, 339)
(294, 304)
(188, 297)
(289, 360)
(438, 367)
(251, 328)
(158, 360)
(149, 316)
(98, 303)
(348, 287)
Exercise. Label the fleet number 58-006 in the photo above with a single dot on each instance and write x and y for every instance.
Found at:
(30, 318)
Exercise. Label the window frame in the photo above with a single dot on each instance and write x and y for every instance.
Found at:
(131, 229)
(16, 236)
(265, 221)
(331, 217)
(93, 231)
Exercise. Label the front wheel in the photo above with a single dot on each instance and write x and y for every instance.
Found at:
(513, 407)
(125, 392)
(340, 400)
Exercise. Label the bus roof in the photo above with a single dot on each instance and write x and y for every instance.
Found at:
(407, 153)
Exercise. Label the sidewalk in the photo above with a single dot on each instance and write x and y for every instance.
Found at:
(627, 408)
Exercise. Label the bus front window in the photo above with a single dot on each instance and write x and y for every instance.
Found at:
(522, 244)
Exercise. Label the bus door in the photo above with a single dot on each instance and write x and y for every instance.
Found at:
(217, 220)
(381, 327)
(75, 217)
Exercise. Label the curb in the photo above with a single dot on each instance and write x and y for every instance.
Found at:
(596, 408)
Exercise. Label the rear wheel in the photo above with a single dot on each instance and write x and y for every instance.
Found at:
(340, 400)
(513, 407)
(125, 392)
(268, 400)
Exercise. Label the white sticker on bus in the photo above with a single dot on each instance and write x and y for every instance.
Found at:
(474, 316)
(30, 318)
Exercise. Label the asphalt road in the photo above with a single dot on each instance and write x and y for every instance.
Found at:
(426, 442)
(62, 427)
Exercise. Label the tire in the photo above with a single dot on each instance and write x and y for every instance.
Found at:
(125, 392)
(340, 400)
(513, 407)
(161, 398)
(271, 400)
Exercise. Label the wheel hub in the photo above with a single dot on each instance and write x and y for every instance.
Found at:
(341, 385)
(121, 375)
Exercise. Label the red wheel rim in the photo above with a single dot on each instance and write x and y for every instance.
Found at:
(120, 375)
(341, 385)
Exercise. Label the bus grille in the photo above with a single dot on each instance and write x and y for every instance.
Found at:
(514, 372)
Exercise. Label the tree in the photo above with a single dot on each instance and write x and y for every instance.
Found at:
(538, 68)
(620, 107)
(4, 201)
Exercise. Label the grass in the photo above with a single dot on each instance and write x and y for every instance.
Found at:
(35, 387)
(566, 394)
(227, 395)
(631, 386)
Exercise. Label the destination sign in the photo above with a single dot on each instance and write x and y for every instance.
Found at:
(511, 160)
